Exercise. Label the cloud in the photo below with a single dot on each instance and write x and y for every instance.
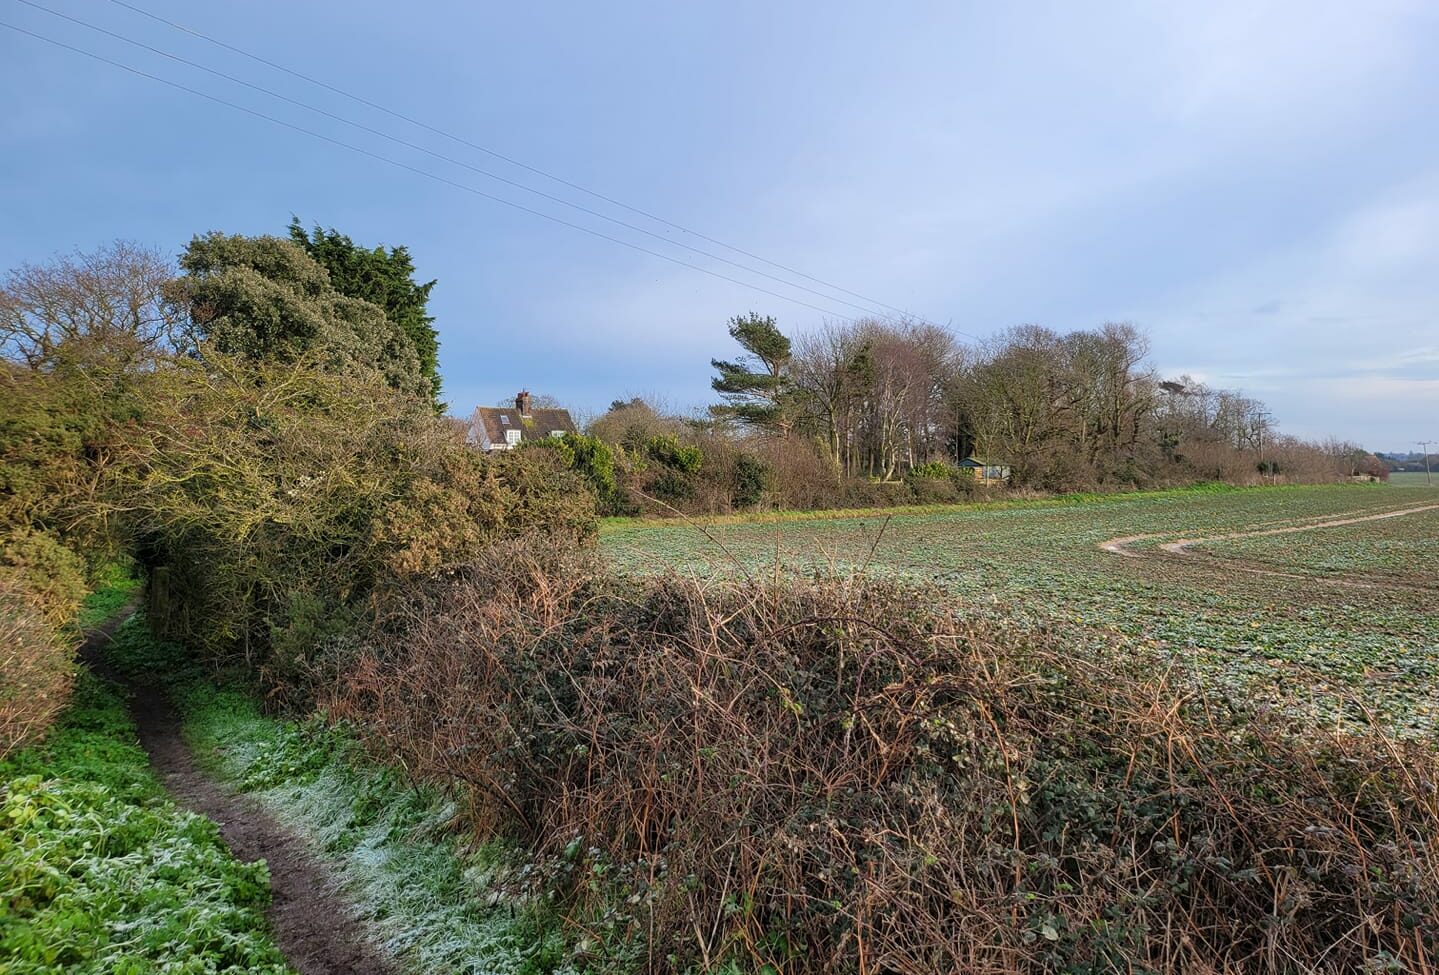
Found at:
(1250, 60)
(1345, 330)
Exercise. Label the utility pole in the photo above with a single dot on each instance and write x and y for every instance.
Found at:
(1262, 424)
(1428, 479)
(958, 422)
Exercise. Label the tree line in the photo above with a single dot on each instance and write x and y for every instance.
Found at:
(884, 411)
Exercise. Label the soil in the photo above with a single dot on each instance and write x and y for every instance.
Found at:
(313, 923)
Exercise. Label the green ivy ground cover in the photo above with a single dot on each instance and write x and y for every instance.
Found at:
(1289, 632)
(101, 872)
(1399, 550)
(115, 586)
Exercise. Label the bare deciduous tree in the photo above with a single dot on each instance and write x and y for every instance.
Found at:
(102, 304)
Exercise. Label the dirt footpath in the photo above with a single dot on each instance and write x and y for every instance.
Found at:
(313, 923)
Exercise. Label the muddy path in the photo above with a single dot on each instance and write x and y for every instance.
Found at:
(313, 922)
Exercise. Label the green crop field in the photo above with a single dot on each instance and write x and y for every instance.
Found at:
(1321, 597)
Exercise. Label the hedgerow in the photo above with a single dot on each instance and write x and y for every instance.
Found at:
(1249, 632)
(35, 668)
(272, 506)
(851, 776)
(590, 457)
(50, 573)
(37, 653)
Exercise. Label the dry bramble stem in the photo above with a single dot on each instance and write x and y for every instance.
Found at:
(844, 775)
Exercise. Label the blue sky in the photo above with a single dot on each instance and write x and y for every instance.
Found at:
(1254, 184)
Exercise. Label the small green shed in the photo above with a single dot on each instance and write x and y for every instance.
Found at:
(985, 471)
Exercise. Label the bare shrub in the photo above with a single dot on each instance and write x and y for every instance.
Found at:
(848, 776)
(629, 424)
(35, 667)
(803, 478)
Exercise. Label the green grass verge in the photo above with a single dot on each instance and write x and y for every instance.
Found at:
(101, 872)
(114, 586)
(433, 902)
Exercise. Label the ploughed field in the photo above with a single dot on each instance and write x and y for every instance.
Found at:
(1321, 599)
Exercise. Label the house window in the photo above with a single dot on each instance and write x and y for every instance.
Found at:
(512, 436)
(557, 433)
(505, 419)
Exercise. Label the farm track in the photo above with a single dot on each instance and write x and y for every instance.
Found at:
(1184, 548)
(314, 925)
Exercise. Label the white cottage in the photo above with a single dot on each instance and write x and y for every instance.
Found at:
(501, 427)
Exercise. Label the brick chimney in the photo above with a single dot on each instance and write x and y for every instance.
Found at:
(522, 402)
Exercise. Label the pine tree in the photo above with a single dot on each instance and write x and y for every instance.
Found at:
(754, 386)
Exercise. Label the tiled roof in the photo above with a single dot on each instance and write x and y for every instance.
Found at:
(493, 421)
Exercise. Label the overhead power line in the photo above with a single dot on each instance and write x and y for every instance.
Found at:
(423, 172)
(449, 159)
(461, 140)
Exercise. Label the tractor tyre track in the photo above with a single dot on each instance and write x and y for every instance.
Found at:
(1184, 548)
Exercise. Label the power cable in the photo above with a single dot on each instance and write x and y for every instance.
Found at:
(501, 156)
(424, 172)
(449, 159)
